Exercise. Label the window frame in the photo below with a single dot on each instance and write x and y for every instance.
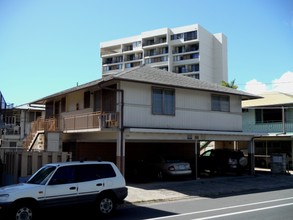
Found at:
(162, 107)
(220, 103)
(269, 115)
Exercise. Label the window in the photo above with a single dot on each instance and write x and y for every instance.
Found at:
(163, 68)
(64, 175)
(194, 68)
(194, 56)
(195, 76)
(190, 35)
(177, 36)
(93, 172)
(268, 115)
(163, 101)
(87, 99)
(42, 175)
(221, 103)
(152, 52)
(136, 44)
(181, 69)
(148, 61)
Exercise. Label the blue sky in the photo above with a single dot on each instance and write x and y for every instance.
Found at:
(47, 46)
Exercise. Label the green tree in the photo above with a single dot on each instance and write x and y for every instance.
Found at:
(229, 85)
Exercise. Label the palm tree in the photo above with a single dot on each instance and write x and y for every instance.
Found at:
(229, 85)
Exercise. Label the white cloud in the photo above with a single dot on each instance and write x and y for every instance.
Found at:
(283, 84)
(255, 87)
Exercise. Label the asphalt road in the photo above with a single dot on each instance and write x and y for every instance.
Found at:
(270, 205)
(247, 197)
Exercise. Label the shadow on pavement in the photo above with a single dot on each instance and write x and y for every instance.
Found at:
(213, 187)
(122, 213)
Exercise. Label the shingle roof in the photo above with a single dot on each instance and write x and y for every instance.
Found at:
(151, 75)
(145, 74)
(73, 89)
(270, 99)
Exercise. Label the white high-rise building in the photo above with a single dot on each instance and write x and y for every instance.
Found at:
(188, 50)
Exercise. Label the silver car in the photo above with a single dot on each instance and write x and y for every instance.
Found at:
(169, 167)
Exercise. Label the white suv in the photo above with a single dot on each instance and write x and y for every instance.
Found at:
(63, 184)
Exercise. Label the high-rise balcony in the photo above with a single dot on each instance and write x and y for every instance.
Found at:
(154, 41)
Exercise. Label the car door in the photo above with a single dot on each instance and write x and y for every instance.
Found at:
(207, 160)
(90, 182)
(62, 187)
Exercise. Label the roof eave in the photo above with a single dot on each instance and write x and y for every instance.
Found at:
(243, 97)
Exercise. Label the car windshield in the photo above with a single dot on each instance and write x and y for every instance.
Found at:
(42, 176)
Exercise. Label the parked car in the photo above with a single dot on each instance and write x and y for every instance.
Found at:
(65, 184)
(158, 167)
(264, 160)
(222, 161)
(170, 167)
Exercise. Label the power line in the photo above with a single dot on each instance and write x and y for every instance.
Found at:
(263, 83)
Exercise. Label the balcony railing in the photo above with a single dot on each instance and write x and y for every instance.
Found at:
(276, 127)
(89, 121)
(73, 123)
(154, 42)
(42, 124)
(183, 49)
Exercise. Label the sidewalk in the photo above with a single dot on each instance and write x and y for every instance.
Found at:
(207, 187)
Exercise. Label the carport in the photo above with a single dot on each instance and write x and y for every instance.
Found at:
(138, 143)
(184, 143)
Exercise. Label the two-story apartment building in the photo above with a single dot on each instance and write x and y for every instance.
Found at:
(5, 117)
(272, 116)
(16, 125)
(141, 111)
(186, 50)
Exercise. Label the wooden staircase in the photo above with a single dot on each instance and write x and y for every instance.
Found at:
(40, 126)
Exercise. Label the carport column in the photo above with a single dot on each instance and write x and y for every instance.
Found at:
(291, 153)
(196, 152)
(251, 161)
(120, 152)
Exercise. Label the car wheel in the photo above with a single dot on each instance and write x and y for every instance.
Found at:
(106, 205)
(243, 161)
(23, 211)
